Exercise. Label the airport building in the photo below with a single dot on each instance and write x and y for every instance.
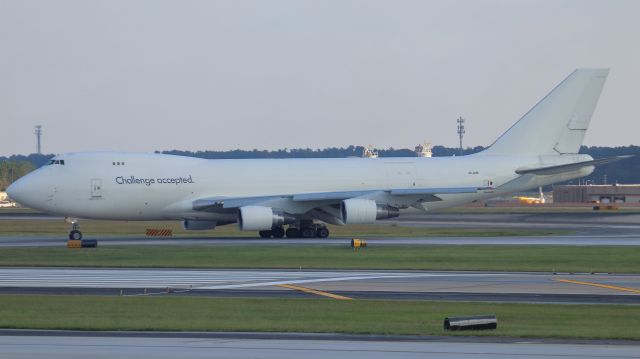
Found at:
(617, 193)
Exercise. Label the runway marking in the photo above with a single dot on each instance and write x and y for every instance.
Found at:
(624, 289)
(314, 291)
(198, 279)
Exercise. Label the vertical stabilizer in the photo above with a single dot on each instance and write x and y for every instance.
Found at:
(558, 123)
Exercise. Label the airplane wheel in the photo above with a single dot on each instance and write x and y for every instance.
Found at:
(293, 232)
(75, 235)
(265, 234)
(277, 232)
(308, 232)
(322, 232)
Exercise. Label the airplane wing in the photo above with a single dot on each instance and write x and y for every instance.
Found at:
(300, 203)
(552, 170)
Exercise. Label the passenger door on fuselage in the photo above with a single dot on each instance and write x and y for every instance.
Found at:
(96, 188)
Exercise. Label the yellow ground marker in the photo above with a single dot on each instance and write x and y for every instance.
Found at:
(624, 289)
(314, 291)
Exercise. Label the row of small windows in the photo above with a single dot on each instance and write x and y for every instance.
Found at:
(118, 163)
(56, 162)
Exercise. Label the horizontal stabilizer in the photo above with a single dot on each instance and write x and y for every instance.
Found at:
(552, 170)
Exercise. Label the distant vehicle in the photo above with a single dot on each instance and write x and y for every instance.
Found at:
(304, 194)
(533, 200)
(424, 150)
(7, 204)
(369, 152)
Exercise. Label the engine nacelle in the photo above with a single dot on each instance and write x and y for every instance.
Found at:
(192, 225)
(365, 211)
(259, 218)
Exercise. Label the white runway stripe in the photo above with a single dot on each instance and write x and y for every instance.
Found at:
(200, 279)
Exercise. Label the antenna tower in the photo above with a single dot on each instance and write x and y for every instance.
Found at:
(461, 131)
(38, 134)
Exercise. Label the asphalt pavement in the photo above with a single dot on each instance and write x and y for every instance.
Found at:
(116, 346)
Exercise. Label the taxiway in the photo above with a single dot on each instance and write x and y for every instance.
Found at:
(381, 284)
(185, 345)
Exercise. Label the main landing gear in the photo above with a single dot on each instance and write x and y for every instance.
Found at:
(305, 230)
(275, 232)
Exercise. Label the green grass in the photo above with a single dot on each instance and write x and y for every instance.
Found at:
(17, 227)
(312, 315)
(437, 257)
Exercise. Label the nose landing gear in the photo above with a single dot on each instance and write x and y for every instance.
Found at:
(74, 233)
(75, 236)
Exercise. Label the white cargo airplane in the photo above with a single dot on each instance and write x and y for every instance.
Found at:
(266, 195)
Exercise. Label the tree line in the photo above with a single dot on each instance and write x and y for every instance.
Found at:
(12, 170)
(623, 172)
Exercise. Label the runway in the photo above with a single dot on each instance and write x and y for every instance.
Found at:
(627, 239)
(210, 346)
(430, 285)
(590, 228)
(564, 288)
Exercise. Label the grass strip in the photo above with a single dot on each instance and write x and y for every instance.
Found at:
(28, 227)
(438, 257)
(312, 315)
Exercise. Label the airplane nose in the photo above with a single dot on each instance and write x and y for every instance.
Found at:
(15, 191)
(20, 191)
(32, 191)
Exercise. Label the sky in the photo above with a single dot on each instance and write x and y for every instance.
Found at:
(145, 75)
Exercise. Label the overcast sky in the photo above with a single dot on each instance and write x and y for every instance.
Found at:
(216, 75)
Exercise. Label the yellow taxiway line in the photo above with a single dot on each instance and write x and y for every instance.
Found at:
(624, 289)
(314, 291)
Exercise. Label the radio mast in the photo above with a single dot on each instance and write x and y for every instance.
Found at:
(38, 134)
(461, 131)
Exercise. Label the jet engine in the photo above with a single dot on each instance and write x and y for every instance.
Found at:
(365, 211)
(259, 218)
(192, 225)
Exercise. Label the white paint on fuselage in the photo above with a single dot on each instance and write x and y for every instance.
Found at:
(70, 189)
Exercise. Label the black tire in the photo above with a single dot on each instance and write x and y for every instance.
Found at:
(293, 232)
(308, 232)
(265, 234)
(75, 235)
(322, 232)
(277, 232)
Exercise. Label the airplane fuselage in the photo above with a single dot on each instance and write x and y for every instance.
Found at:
(146, 186)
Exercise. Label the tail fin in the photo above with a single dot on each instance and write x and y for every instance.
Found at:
(558, 123)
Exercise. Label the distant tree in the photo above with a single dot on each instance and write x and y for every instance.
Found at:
(623, 172)
(11, 170)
